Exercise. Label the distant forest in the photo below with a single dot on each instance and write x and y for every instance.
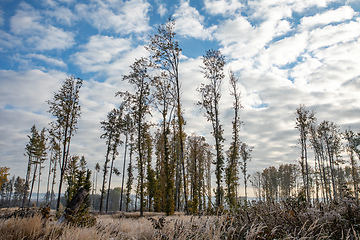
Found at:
(164, 168)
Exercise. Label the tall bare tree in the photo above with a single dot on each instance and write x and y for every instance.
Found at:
(65, 107)
(304, 119)
(210, 93)
(111, 135)
(165, 53)
(139, 106)
(232, 171)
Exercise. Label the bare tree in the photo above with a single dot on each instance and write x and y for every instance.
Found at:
(139, 107)
(210, 93)
(304, 119)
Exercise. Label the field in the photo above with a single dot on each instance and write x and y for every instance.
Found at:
(285, 220)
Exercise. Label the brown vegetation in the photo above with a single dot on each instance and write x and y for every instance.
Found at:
(290, 219)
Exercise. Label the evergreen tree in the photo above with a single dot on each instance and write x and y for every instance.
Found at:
(78, 176)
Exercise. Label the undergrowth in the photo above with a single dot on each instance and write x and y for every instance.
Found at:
(288, 219)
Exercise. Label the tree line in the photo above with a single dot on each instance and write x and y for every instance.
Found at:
(330, 175)
(180, 177)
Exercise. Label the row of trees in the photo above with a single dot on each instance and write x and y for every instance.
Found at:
(331, 174)
(53, 144)
(181, 176)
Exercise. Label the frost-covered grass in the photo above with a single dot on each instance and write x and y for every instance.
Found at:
(285, 220)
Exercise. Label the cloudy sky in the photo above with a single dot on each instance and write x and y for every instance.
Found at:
(285, 53)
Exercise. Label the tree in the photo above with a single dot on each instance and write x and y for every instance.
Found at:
(256, 184)
(3, 175)
(210, 93)
(78, 176)
(115, 144)
(41, 156)
(19, 189)
(139, 106)
(163, 100)
(197, 162)
(30, 152)
(36, 150)
(112, 136)
(165, 53)
(130, 175)
(245, 152)
(352, 147)
(128, 129)
(65, 107)
(329, 134)
(304, 119)
(231, 171)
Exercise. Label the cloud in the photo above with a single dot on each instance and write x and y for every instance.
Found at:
(223, 7)
(108, 55)
(101, 49)
(8, 41)
(190, 23)
(162, 10)
(27, 23)
(1, 18)
(331, 35)
(62, 14)
(46, 59)
(328, 17)
(28, 90)
(123, 17)
(286, 50)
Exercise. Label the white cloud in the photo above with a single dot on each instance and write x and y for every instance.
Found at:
(27, 24)
(28, 90)
(102, 49)
(108, 56)
(62, 14)
(46, 59)
(124, 17)
(331, 35)
(286, 50)
(190, 23)
(322, 19)
(1, 18)
(8, 41)
(228, 7)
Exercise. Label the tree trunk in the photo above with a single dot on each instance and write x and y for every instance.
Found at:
(74, 205)
(123, 176)
(111, 170)
(32, 184)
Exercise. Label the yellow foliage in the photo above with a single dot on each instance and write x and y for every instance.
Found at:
(3, 175)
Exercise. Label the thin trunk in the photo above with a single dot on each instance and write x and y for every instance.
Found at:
(38, 190)
(111, 171)
(123, 176)
(105, 171)
(180, 123)
(64, 160)
(32, 184)
(48, 180)
(26, 182)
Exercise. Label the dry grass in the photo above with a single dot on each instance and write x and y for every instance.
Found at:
(286, 220)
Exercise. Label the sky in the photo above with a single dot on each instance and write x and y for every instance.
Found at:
(284, 52)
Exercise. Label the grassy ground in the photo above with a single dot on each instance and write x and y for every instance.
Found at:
(285, 220)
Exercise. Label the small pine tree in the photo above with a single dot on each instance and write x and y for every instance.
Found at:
(79, 176)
